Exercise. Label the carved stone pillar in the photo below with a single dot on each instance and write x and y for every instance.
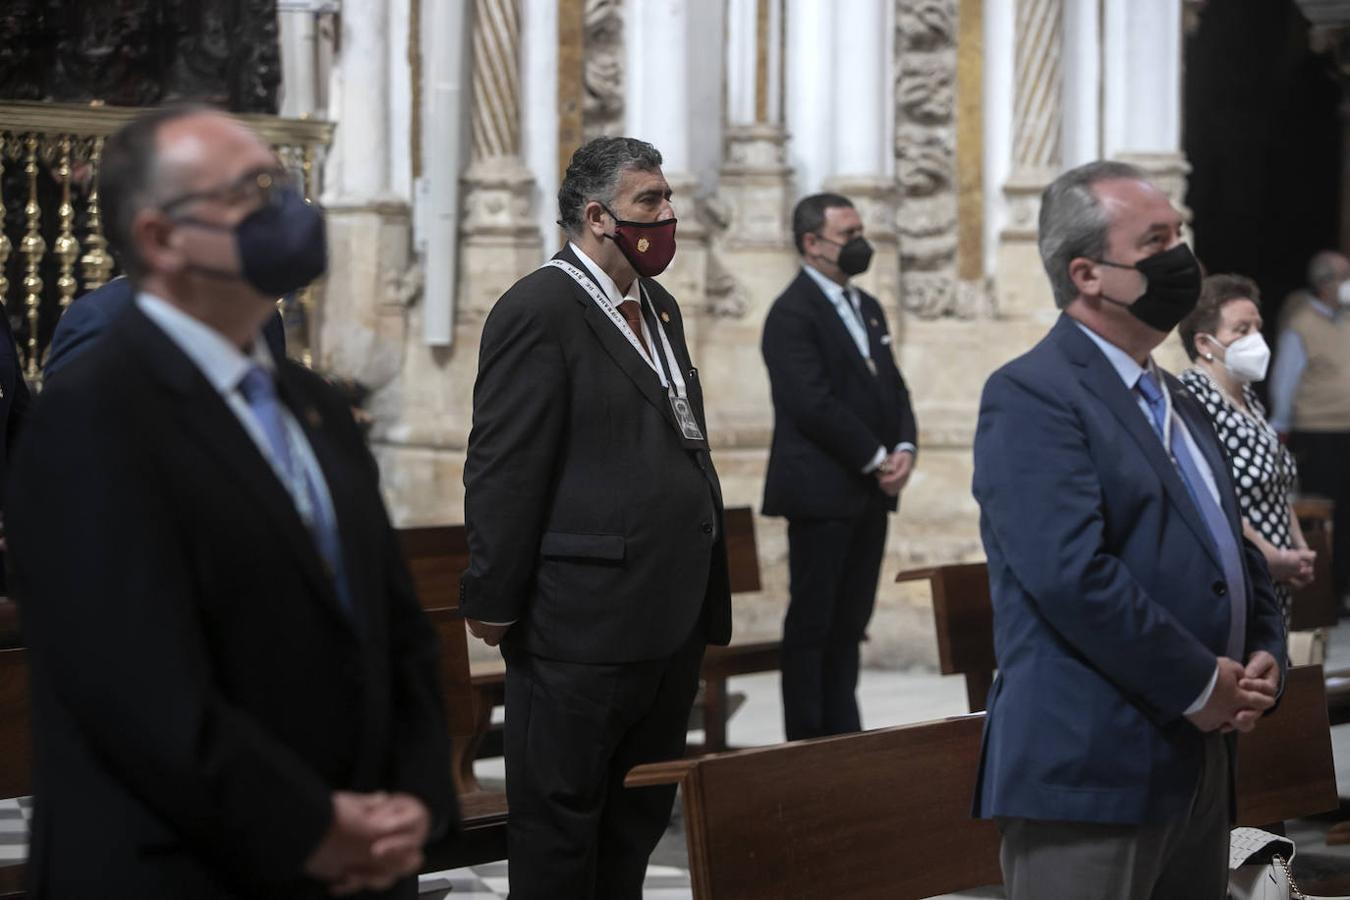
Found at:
(1036, 152)
(863, 47)
(755, 181)
(501, 240)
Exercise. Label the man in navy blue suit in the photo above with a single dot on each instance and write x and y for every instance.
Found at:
(1134, 626)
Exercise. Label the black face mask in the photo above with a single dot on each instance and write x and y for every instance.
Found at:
(854, 256)
(283, 245)
(1172, 287)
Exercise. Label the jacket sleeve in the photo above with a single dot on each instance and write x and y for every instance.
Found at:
(1040, 501)
(520, 409)
(802, 393)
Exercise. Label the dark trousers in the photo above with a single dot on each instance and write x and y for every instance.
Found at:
(833, 565)
(1324, 469)
(573, 731)
(1184, 858)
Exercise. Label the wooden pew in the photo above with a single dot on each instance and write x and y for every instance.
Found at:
(436, 556)
(16, 749)
(1316, 606)
(886, 814)
(963, 617)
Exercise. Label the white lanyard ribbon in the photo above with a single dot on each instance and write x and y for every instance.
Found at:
(675, 385)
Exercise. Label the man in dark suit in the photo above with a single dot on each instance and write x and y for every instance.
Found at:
(1133, 623)
(91, 314)
(594, 521)
(843, 448)
(234, 688)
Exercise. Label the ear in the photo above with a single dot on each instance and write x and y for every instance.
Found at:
(156, 242)
(1086, 275)
(594, 218)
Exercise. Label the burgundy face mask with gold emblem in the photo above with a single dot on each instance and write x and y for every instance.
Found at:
(648, 246)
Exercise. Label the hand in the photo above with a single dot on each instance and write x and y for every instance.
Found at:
(488, 634)
(893, 473)
(1293, 567)
(1230, 705)
(349, 841)
(403, 820)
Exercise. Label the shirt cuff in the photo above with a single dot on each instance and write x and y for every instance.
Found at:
(498, 624)
(877, 459)
(906, 445)
(1200, 701)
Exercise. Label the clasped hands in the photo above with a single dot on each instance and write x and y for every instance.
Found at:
(1294, 567)
(375, 840)
(1241, 694)
(893, 473)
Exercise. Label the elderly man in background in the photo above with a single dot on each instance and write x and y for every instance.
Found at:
(1310, 396)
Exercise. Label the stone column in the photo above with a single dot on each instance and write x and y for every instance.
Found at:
(756, 182)
(1141, 109)
(500, 237)
(1036, 152)
(657, 43)
(369, 226)
(861, 99)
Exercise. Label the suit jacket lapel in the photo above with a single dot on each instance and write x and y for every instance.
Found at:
(1203, 432)
(617, 346)
(208, 420)
(824, 310)
(1101, 379)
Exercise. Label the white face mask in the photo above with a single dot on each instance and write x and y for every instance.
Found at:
(1343, 293)
(1247, 357)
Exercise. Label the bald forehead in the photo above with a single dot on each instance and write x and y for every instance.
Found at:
(201, 150)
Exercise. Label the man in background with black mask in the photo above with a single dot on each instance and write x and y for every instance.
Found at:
(1135, 627)
(844, 444)
(228, 658)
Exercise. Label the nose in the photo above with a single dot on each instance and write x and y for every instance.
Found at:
(667, 212)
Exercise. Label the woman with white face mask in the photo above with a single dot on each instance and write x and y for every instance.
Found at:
(1222, 336)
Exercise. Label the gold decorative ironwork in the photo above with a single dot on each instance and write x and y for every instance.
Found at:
(96, 264)
(67, 141)
(33, 248)
(67, 248)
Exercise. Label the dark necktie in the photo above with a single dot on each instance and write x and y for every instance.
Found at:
(1215, 521)
(632, 314)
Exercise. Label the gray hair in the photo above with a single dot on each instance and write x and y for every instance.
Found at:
(1325, 267)
(593, 174)
(1073, 222)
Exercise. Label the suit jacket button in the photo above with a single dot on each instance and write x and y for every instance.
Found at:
(707, 527)
(1220, 589)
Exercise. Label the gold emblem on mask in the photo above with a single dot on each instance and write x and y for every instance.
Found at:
(643, 244)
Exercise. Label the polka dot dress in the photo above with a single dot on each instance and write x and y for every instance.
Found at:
(1262, 468)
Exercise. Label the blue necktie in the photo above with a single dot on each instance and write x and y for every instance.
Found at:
(1215, 521)
(261, 395)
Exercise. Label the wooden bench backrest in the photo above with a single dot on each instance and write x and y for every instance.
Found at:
(886, 814)
(881, 814)
(16, 746)
(1316, 606)
(963, 618)
(436, 557)
(742, 553)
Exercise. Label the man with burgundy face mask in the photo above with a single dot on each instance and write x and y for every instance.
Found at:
(594, 517)
(1135, 626)
(844, 443)
(228, 658)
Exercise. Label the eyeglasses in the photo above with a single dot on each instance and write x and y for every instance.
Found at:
(257, 188)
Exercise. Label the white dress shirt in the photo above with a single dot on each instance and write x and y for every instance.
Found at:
(224, 365)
